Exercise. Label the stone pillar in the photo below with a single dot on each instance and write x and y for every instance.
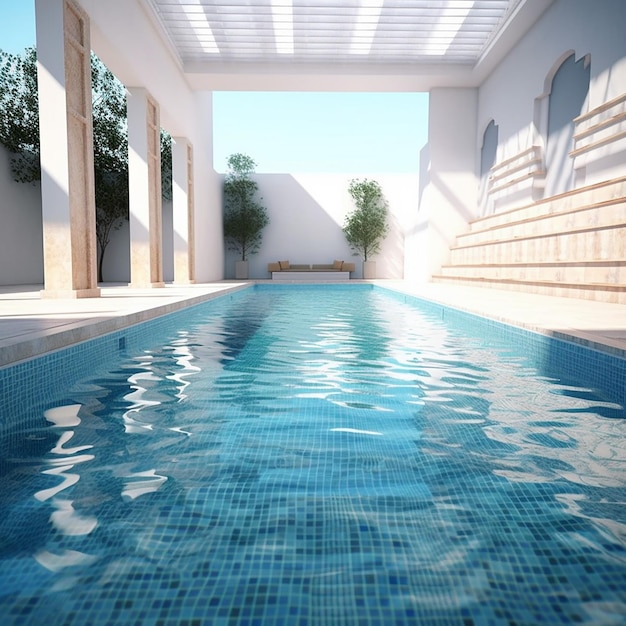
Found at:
(66, 140)
(183, 208)
(144, 186)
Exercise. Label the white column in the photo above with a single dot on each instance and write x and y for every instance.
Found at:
(144, 186)
(66, 140)
(183, 209)
(450, 191)
(208, 200)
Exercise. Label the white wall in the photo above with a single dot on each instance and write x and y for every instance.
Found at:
(21, 234)
(448, 195)
(167, 236)
(116, 265)
(307, 210)
(307, 213)
(515, 94)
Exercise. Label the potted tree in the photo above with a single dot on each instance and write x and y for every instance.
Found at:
(244, 217)
(366, 226)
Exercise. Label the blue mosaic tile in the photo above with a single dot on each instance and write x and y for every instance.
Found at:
(348, 459)
(552, 356)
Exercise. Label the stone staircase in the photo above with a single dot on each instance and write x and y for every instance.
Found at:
(571, 245)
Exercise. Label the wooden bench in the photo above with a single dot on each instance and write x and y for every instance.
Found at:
(283, 270)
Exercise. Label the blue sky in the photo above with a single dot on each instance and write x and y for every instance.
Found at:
(352, 133)
(322, 132)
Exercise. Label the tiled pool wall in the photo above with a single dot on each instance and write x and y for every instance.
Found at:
(571, 362)
(29, 387)
(40, 382)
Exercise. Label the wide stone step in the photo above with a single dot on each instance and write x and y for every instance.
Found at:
(595, 272)
(610, 213)
(597, 194)
(614, 293)
(582, 244)
(572, 244)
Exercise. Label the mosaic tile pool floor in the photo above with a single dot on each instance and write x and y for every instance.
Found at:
(309, 457)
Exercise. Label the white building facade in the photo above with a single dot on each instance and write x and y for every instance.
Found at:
(539, 114)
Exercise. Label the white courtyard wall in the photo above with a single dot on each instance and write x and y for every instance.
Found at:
(116, 265)
(516, 93)
(448, 183)
(307, 213)
(167, 217)
(21, 233)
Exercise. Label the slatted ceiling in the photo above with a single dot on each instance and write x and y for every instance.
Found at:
(341, 31)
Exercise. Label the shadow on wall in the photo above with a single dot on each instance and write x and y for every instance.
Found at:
(21, 235)
(445, 209)
(117, 259)
(167, 240)
(424, 179)
(209, 257)
(307, 213)
(390, 260)
(301, 228)
(569, 91)
(116, 266)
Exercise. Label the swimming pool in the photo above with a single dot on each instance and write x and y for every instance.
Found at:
(314, 455)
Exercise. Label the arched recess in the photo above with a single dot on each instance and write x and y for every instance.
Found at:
(567, 90)
(488, 153)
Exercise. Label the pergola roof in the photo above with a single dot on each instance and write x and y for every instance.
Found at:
(341, 36)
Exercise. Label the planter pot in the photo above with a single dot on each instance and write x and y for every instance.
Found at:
(241, 270)
(369, 270)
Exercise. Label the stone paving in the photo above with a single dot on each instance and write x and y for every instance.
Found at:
(31, 325)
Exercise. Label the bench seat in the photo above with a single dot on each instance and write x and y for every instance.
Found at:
(316, 271)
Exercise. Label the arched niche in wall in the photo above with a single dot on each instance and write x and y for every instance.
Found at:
(567, 89)
(488, 153)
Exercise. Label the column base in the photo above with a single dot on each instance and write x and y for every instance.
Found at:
(71, 294)
(156, 285)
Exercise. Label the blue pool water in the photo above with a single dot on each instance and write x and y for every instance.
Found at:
(322, 455)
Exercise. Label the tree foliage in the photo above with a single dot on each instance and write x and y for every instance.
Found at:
(19, 114)
(244, 216)
(19, 133)
(166, 165)
(110, 152)
(366, 226)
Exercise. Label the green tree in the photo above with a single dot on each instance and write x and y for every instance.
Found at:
(166, 165)
(244, 216)
(110, 153)
(19, 133)
(19, 114)
(366, 226)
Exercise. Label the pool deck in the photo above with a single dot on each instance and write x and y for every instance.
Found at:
(31, 325)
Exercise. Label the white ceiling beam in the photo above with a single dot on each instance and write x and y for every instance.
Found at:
(448, 26)
(365, 26)
(282, 13)
(200, 25)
